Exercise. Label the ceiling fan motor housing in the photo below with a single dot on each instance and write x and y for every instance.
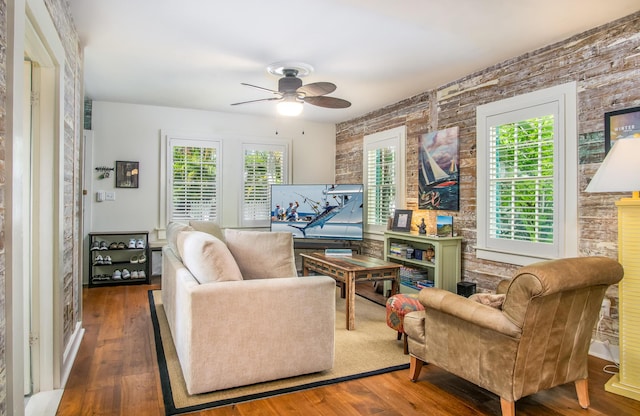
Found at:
(289, 83)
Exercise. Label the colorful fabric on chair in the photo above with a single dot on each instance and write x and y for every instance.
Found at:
(398, 306)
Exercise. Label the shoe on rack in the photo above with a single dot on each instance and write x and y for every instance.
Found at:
(98, 260)
(113, 246)
(121, 246)
(142, 258)
(117, 275)
(132, 243)
(134, 274)
(142, 275)
(134, 259)
(107, 260)
(95, 246)
(104, 245)
(140, 243)
(125, 274)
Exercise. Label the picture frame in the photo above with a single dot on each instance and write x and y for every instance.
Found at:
(402, 220)
(621, 124)
(127, 174)
(444, 226)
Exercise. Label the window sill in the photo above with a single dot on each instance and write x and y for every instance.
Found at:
(519, 259)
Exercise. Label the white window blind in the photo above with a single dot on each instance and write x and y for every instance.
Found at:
(194, 179)
(527, 177)
(263, 166)
(383, 173)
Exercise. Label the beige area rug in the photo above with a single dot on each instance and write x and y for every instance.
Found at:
(369, 350)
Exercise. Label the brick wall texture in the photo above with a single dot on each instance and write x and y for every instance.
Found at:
(72, 120)
(605, 63)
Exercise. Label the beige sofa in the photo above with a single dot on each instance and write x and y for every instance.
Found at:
(237, 310)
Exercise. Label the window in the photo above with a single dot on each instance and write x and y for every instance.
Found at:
(527, 177)
(383, 177)
(194, 180)
(263, 166)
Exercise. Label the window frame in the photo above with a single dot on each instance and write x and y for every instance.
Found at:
(395, 137)
(564, 99)
(195, 142)
(261, 147)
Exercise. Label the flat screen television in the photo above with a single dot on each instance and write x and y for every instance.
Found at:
(322, 211)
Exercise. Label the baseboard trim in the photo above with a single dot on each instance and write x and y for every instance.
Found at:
(70, 353)
(605, 351)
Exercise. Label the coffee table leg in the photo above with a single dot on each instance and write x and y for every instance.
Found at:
(350, 301)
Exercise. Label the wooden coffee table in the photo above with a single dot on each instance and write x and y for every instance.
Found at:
(348, 270)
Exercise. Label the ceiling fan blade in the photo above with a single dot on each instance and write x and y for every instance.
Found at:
(260, 88)
(317, 88)
(254, 101)
(328, 102)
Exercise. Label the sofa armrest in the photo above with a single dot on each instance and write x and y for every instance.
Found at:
(468, 310)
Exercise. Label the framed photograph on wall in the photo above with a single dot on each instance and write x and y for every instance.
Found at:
(402, 220)
(621, 124)
(127, 174)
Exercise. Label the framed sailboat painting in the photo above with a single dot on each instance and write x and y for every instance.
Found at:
(438, 176)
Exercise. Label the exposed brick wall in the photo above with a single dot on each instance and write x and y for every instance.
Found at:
(605, 62)
(72, 117)
(3, 176)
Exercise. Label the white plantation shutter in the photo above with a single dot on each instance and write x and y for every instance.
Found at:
(263, 166)
(383, 173)
(194, 179)
(521, 187)
(527, 177)
(381, 184)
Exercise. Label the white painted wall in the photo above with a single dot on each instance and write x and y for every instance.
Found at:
(133, 132)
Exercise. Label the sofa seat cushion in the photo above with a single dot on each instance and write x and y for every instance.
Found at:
(207, 258)
(262, 254)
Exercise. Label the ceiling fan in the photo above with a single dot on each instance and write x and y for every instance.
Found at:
(291, 94)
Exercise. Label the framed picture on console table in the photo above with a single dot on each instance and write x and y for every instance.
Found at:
(402, 220)
(621, 124)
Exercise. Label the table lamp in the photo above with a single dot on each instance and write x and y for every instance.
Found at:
(620, 172)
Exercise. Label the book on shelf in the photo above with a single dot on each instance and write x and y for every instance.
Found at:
(338, 252)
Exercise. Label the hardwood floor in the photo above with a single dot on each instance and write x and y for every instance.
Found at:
(116, 373)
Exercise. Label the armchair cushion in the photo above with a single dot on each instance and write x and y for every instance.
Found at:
(489, 299)
(207, 258)
(262, 255)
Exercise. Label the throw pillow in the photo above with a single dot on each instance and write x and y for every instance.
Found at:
(262, 254)
(173, 229)
(207, 258)
(495, 301)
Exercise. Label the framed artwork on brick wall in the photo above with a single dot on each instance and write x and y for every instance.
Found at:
(621, 124)
(438, 176)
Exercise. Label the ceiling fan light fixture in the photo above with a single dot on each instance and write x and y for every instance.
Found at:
(289, 106)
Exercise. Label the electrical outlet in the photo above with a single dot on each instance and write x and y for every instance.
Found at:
(110, 196)
(605, 309)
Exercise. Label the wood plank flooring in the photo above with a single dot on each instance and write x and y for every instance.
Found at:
(116, 373)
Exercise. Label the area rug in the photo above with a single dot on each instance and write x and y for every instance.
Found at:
(369, 350)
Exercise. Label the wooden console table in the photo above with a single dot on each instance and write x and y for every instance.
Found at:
(349, 270)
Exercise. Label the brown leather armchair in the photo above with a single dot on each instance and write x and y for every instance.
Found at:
(537, 340)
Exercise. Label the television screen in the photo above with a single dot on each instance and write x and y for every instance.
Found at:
(318, 211)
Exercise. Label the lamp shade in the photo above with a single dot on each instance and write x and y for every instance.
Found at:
(620, 170)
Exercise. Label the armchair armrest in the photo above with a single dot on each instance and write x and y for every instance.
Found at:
(468, 310)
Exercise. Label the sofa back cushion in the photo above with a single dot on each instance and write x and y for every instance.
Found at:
(207, 258)
(208, 227)
(262, 254)
(173, 229)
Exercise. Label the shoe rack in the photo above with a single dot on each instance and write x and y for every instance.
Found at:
(119, 258)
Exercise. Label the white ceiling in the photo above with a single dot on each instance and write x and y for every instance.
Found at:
(195, 53)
